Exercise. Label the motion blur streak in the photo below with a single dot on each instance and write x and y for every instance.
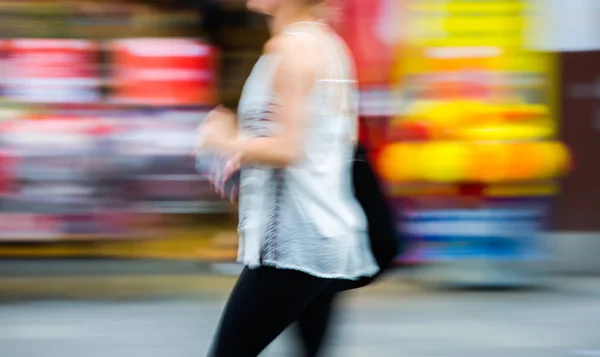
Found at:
(481, 117)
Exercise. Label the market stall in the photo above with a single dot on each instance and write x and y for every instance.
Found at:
(472, 156)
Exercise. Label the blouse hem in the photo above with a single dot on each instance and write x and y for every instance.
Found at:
(312, 272)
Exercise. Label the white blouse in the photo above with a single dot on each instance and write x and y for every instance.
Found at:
(305, 217)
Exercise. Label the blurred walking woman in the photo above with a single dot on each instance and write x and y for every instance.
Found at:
(301, 229)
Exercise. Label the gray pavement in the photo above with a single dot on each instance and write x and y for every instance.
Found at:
(373, 322)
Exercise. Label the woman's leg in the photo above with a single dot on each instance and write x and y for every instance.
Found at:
(314, 323)
(264, 302)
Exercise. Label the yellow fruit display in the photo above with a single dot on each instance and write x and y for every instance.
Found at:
(489, 162)
(397, 162)
(500, 162)
(554, 159)
(443, 162)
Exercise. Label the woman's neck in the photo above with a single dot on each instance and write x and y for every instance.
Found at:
(290, 15)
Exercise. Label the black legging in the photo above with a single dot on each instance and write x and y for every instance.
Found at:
(264, 302)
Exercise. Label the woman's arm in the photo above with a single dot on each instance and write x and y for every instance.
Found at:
(293, 82)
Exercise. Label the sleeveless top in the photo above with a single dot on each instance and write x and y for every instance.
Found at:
(305, 217)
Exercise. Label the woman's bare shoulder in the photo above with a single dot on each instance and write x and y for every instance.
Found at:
(296, 61)
(273, 45)
(289, 44)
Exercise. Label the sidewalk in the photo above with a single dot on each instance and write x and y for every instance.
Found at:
(105, 317)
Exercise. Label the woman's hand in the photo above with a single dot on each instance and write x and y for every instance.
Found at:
(230, 184)
(218, 130)
(225, 183)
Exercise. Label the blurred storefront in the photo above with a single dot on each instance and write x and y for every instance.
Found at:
(99, 105)
(100, 99)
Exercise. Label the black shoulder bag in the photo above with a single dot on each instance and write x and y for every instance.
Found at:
(385, 240)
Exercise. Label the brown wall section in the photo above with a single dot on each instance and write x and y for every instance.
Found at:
(578, 205)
